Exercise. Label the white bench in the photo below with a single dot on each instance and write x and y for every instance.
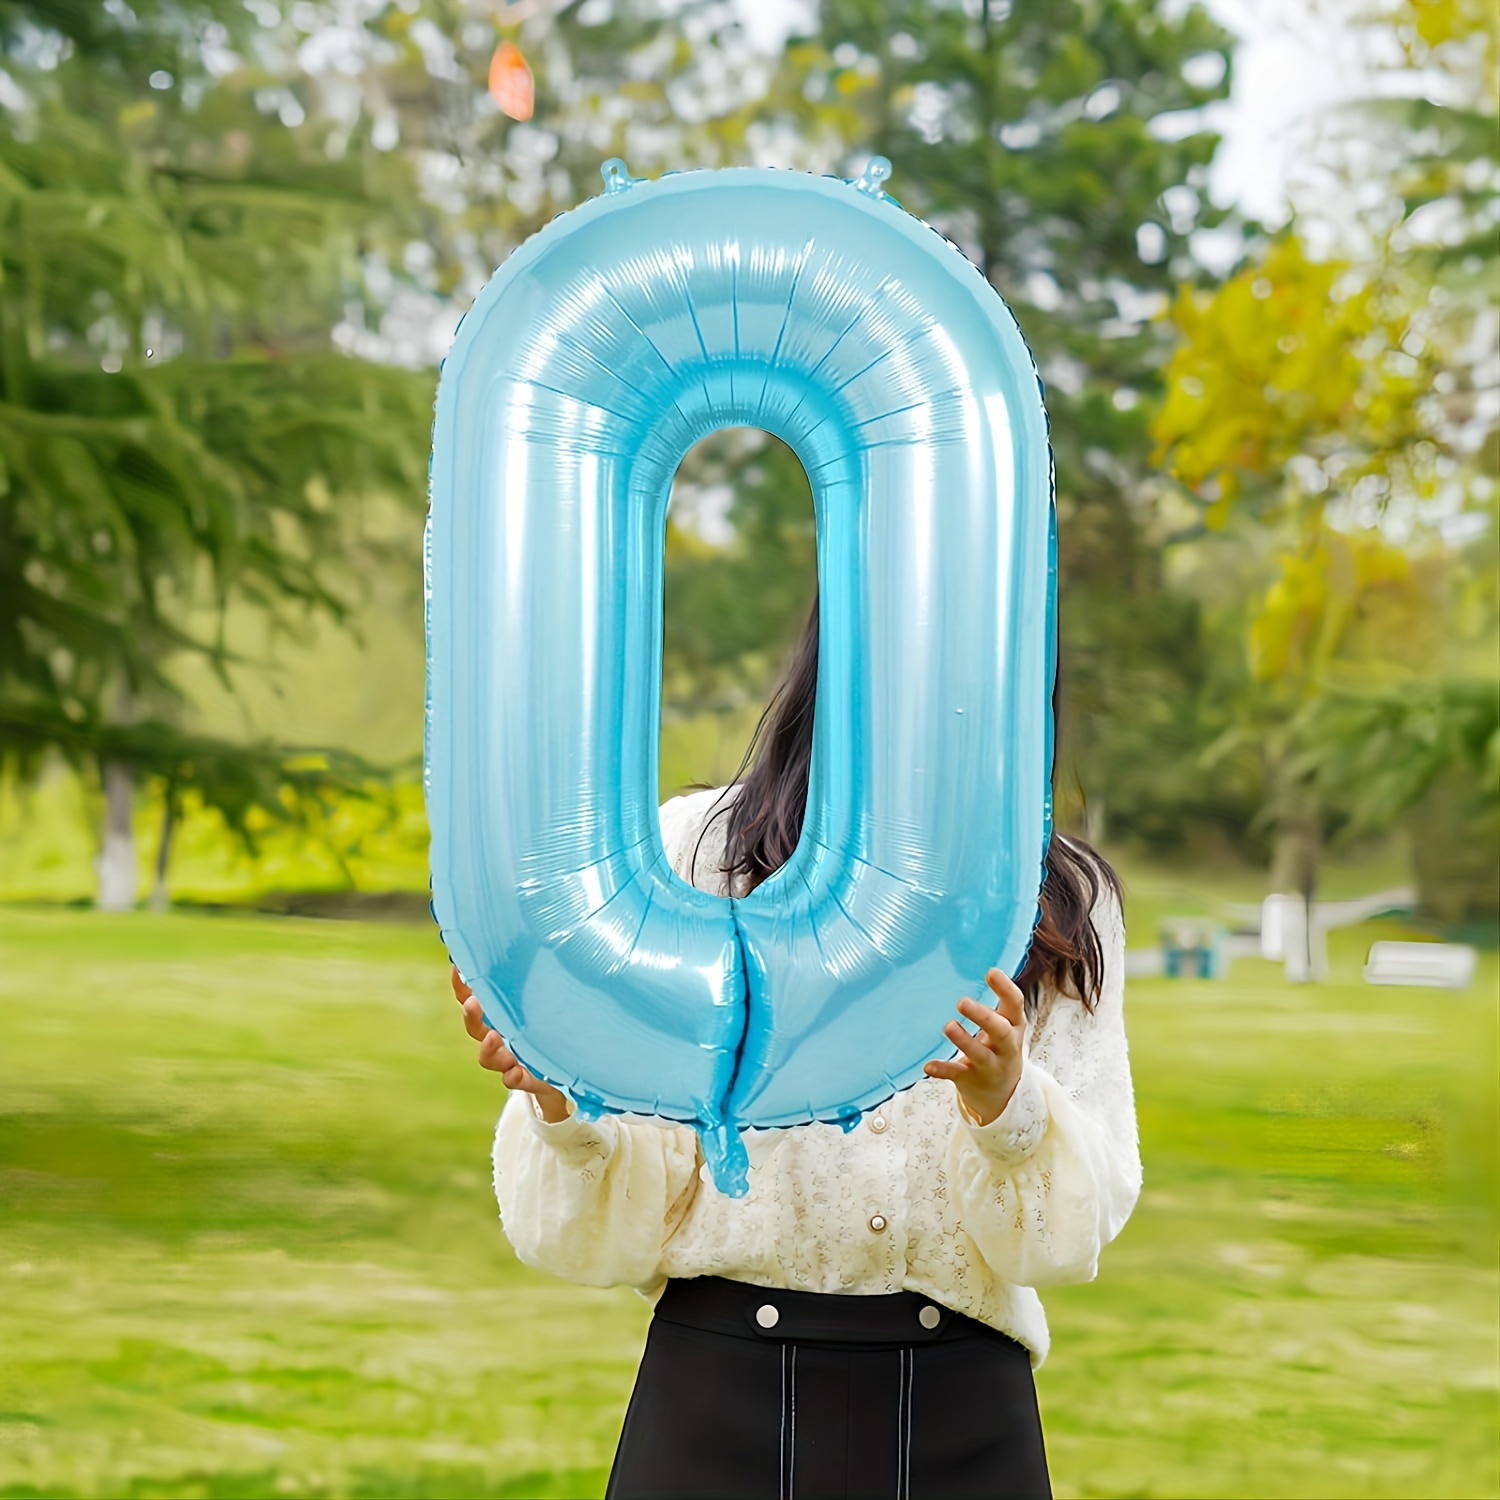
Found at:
(1446, 966)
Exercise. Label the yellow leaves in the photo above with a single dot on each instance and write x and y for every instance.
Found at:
(1216, 517)
(1441, 23)
(1294, 381)
(257, 820)
(311, 761)
(1268, 363)
(1293, 608)
(1347, 600)
(1347, 610)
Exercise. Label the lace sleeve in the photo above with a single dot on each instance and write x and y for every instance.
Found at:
(592, 1201)
(1045, 1187)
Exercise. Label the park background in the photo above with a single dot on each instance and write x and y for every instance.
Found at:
(247, 1238)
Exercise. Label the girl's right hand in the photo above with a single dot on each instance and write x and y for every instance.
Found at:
(498, 1058)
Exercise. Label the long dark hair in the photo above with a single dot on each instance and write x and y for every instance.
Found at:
(765, 822)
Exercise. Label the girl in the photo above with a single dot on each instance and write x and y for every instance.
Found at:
(865, 1320)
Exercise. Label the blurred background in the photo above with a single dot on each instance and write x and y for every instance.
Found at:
(247, 1242)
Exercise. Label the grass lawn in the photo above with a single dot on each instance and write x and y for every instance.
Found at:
(248, 1244)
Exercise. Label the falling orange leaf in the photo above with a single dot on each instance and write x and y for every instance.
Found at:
(511, 85)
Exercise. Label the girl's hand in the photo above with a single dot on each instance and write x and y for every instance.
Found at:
(989, 1065)
(498, 1058)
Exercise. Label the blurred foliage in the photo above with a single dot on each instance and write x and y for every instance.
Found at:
(735, 608)
(1024, 134)
(1344, 407)
(665, 85)
(290, 205)
(323, 836)
(1056, 145)
(1455, 834)
(175, 425)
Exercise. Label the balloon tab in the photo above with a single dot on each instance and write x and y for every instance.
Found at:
(872, 179)
(616, 175)
(728, 1161)
(588, 1106)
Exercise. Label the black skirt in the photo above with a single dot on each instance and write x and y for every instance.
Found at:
(770, 1395)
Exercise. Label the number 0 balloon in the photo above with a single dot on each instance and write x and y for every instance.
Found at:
(819, 311)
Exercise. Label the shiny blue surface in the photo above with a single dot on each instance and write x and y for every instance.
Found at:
(602, 350)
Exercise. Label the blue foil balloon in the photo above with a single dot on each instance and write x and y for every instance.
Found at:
(602, 350)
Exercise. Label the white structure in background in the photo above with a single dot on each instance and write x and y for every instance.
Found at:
(1291, 933)
(1143, 963)
(1447, 966)
(1288, 936)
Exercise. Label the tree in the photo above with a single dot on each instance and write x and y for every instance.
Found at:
(1334, 404)
(172, 414)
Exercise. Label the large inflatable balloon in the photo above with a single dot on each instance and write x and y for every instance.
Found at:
(603, 349)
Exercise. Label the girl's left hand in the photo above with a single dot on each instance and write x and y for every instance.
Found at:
(988, 1067)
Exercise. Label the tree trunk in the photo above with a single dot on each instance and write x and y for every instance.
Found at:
(116, 867)
(1295, 858)
(161, 900)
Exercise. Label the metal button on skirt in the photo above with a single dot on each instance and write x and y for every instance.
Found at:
(769, 1395)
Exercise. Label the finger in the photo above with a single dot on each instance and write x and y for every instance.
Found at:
(460, 989)
(976, 1049)
(474, 1021)
(996, 1028)
(1012, 1001)
(515, 1075)
(952, 1068)
(495, 1055)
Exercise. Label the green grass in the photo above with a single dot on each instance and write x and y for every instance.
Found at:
(248, 1244)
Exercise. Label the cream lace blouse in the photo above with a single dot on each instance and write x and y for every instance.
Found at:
(914, 1198)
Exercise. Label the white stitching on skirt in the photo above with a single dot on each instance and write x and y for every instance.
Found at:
(781, 1475)
(791, 1457)
(911, 1368)
(900, 1416)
